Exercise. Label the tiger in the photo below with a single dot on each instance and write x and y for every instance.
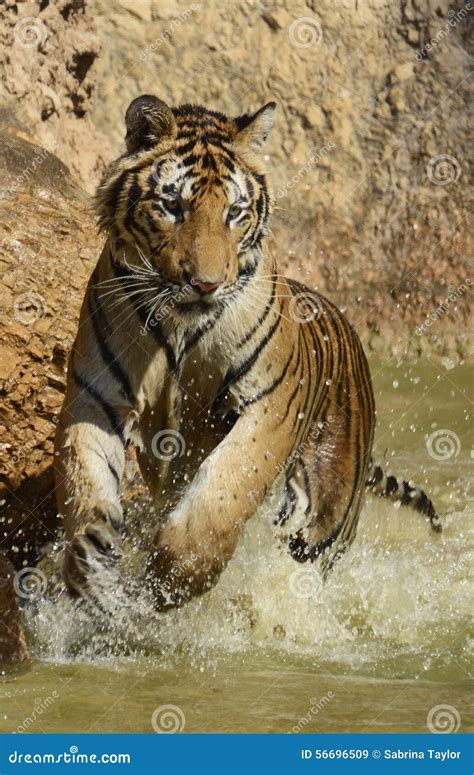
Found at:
(231, 381)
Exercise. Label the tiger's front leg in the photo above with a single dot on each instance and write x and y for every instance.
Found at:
(202, 532)
(89, 467)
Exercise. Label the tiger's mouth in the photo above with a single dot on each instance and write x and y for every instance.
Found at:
(193, 300)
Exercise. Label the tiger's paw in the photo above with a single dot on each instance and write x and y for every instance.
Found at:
(180, 567)
(98, 548)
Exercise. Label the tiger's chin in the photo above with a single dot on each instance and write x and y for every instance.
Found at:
(198, 309)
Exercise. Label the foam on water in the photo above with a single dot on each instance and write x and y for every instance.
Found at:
(400, 591)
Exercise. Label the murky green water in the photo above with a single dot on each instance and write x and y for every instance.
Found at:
(379, 648)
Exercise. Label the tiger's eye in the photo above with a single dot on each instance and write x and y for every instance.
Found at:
(173, 205)
(235, 210)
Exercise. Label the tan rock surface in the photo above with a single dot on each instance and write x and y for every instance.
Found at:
(48, 247)
(47, 84)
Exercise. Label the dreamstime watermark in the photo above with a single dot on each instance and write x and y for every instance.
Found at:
(168, 720)
(165, 308)
(313, 161)
(443, 444)
(443, 720)
(316, 705)
(443, 169)
(441, 586)
(179, 572)
(69, 757)
(168, 33)
(453, 295)
(28, 171)
(168, 444)
(305, 583)
(305, 32)
(29, 307)
(30, 583)
(454, 18)
(39, 708)
(305, 307)
(30, 32)
(314, 435)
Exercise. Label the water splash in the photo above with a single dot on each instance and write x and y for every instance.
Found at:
(400, 590)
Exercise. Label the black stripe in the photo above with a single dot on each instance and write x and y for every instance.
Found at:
(287, 507)
(376, 477)
(156, 330)
(190, 160)
(114, 473)
(244, 367)
(262, 317)
(266, 391)
(290, 404)
(112, 415)
(391, 486)
(203, 329)
(105, 350)
(134, 195)
(307, 396)
(105, 459)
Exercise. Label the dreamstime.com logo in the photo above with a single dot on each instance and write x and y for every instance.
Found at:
(168, 720)
(305, 32)
(437, 589)
(314, 159)
(29, 307)
(443, 720)
(168, 33)
(314, 435)
(305, 583)
(29, 32)
(168, 444)
(316, 705)
(453, 296)
(443, 169)
(179, 572)
(28, 171)
(305, 307)
(40, 706)
(69, 757)
(30, 583)
(443, 444)
(165, 308)
(454, 18)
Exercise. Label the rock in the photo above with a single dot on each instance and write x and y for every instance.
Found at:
(36, 294)
(12, 639)
(48, 80)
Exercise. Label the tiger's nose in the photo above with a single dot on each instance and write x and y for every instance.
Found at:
(203, 286)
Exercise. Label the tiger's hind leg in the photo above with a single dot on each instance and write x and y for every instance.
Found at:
(324, 493)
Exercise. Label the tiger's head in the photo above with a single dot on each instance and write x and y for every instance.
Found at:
(190, 194)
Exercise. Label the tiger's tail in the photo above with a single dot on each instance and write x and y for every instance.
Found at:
(385, 485)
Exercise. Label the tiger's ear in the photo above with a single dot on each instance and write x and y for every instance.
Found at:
(148, 120)
(254, 128)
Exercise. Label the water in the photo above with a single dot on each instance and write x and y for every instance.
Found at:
(386, 641)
